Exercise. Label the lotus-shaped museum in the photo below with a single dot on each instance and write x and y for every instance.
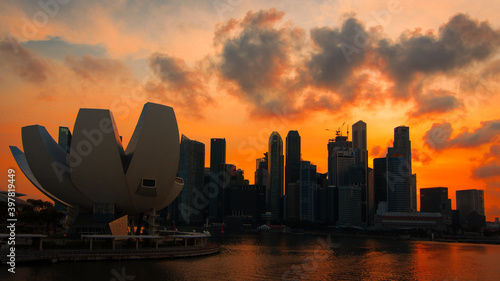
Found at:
(97, 172)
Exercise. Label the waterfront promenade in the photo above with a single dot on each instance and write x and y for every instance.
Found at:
(57, 255)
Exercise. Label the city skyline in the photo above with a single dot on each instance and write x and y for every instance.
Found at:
(199, 61)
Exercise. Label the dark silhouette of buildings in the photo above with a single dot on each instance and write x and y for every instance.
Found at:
(401, 184)
(217, 162)
(435, 200)
(359, 174)
(340, 158)
(64, 138)
(380, 180)
(308, 189)
(261, 172)
(248, 201)
(191, 170)
(275, 177)
(469, 201)
(292, 172)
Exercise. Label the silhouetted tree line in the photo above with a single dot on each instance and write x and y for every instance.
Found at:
(35, 218)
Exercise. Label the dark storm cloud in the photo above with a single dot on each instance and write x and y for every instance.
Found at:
(270, 64)
(436, 102)
(486, 81)
(438, 137)
(489, 165)
(94, 69)
(16, 58)
(487, 170)
(257, 59)
(179, 83)
(460, 42)
(337, 53)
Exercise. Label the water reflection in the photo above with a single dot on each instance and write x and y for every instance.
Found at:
(265, 256)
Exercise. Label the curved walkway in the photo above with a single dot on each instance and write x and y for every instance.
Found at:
(119, 254)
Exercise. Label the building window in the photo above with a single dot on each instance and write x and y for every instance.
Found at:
(148, 183)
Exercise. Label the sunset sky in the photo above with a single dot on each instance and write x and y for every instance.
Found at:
(242, 69)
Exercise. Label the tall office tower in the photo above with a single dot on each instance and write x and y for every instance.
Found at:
(261, 172)
(275, 178)
(379, 181)
(292, 157)
(229, 179)
(469, 201)
(64, 138)
(191, 170)
(340, 158)
(372, 209)
(332, 208)
(435, 200)
(350, 208)
(217, 162)
(65, 142)
(293, 201)
(308, 189)
(398, 185)
(322, 198)
(401, 192)
(359, 145)
(359, 142)
(413, 192)
(292, 166)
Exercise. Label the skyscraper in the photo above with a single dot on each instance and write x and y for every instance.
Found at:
(435, 200)
(359, 145)
(217, 162)
(359, 142)
(469, 201)
(350, 206)
(340, 158)
(191, 170)
(275, 177)
(308, 188)
(64, 138)
(379, 181)
(401, 186)
(292, 167)
(261, 172)
(398, 184)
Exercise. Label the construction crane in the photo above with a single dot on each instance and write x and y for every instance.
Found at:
(338, 132)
